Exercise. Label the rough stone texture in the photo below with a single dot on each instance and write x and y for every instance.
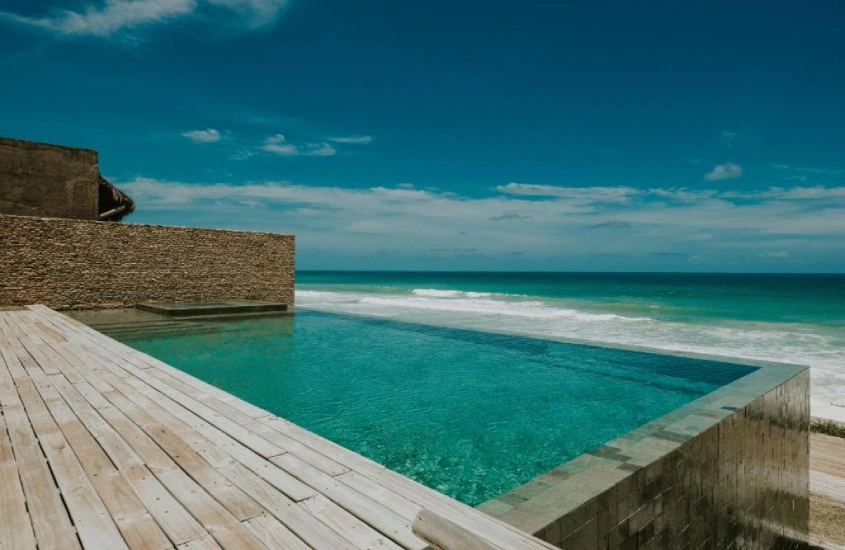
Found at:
(73, 264)
(730, 470)
(39, 179)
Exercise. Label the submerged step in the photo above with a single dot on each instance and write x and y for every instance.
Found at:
(218, 307)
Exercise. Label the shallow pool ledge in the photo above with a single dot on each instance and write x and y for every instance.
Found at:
(730, 469)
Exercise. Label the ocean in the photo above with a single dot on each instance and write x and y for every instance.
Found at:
(796, 319)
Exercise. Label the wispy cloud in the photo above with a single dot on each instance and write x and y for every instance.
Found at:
(729, 138)
(726, 171)
(781, 255)
(244, 154)
(279, 145)
(593, 194)
(353, 140)
(209, 135)
(814, 171)
(117, 17)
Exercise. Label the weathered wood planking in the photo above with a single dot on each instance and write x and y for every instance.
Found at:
(147, 457)
(827, 467)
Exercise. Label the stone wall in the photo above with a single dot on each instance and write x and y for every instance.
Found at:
(73, 264)
(39, 179)
(730, 470)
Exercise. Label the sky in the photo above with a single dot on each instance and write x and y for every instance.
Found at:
(457, 135)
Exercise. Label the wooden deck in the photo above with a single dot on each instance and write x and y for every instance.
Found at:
(827, 492)
(827, 467)
(104, 447)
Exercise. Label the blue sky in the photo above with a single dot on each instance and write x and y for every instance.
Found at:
(571, 135)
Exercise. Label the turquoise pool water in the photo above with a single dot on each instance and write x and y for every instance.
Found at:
(470, 414)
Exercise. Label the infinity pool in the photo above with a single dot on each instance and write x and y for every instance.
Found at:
(470, 414)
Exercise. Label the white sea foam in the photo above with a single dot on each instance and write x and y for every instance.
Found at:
(437, 293)
(810, 345)
(487, 306)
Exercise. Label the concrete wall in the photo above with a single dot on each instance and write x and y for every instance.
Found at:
(731, 470)
(38, 179)
(73, 264)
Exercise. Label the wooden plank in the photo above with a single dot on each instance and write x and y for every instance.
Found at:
(122, 415)
(74, 363)
(50, 521)
(307, 526)
(827, 454)
(304, 525)
(231, 497)
(16, 532)
(135, 523)
(384, 520)
(494, 531)
(25, 333)
(350, 527)
(204, 543)
(168, 512)
(378, 493)
(284, 442)
(828, 486)
(47, 332)
(348, 459)
(479, 524)
(446, 535)
(274, 534)
(145, 361)
(233, 429)
(18, 359)
(226, 528)
(220, 450)
(159, 426)
(93, 523)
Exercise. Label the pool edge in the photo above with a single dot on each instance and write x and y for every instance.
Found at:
(732, 464)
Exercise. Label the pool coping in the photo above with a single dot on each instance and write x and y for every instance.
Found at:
(576, 483)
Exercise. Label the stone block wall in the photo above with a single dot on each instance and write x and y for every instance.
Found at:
(74, 264)
(729, 471)
(39, 179)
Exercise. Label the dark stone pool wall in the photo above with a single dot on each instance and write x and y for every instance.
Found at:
(730, 470)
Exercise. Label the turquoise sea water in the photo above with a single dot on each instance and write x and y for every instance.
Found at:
(471, 414)
(791, 318)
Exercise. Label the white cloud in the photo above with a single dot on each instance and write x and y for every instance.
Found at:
(209, 135)
(729, 138)
(595, 194)
(353, 140)
(114, 17)
(244, 154)
(650, 223)
(726, 171)
(279, 145)
(815, 171)
(257, 13)
(318, 150)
